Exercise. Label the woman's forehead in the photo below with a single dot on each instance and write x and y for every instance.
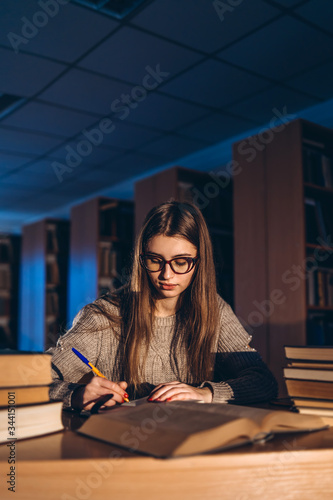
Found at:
(165, 244)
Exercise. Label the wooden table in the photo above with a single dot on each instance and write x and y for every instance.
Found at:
(69, 466)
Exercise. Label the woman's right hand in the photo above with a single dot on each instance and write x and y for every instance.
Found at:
(85, 397)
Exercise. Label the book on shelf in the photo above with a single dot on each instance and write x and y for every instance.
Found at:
(51, 239)
(5, 250)
(107, 259)
(315, 222)
(320, 287)
(185, 428)
(318, 167)
(5, 277)
(52, 270)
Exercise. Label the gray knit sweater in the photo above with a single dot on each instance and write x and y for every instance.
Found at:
(240, 375)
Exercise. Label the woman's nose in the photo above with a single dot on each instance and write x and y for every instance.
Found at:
(167, 272)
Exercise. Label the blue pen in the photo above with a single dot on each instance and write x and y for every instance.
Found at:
(94, 369)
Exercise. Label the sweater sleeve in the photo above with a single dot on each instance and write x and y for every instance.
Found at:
(67, 368)
(240, 374)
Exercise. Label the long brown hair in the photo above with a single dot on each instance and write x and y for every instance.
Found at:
(197, 316)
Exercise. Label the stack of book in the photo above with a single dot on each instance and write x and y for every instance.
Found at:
(25, 407)
(309, 379)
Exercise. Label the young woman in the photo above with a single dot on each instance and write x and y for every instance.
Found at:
(166, 334)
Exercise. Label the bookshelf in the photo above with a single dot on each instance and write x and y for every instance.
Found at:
(212, 195)
(43, 287)
(9, 276)
(100, 251)
(283, 213)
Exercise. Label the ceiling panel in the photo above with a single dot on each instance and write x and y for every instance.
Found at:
(37, 175)
(26, 142)
(165, 113)
(281, 49)
(84, 91)
(72, 159)
(142, 50)
(216, 127)
(131, 164)
(26, 75)
(261, 107)
(10, 162)
(127, 136)
(50, 119)
(319, 12)
(289, 3)
(161, 77)
(318, 82)
(172, 147)
(216, 84)
(206, 26)
(64, 32)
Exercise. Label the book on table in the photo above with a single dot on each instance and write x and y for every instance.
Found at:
(25, 407)
(30, 421)
(183, 428)
(309, 379)
(24, 368)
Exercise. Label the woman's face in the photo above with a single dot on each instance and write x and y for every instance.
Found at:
(167, 283)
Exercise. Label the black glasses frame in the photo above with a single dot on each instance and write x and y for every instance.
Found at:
(190, 260)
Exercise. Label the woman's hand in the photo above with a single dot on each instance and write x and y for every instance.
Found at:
(177, 391)
(99, 389)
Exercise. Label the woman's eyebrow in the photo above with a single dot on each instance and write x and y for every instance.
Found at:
(174, 256)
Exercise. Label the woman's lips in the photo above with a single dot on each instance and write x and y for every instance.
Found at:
(164, 286)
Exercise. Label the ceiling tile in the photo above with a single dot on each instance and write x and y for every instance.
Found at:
(11, 162)
(13, 197)
(132, 164)
(86, 92)
(72, 159)
(289, 3)
(128, 136)
(262, 107)
(26, 75)
(65, 33)
(165, 113)
(216, 127)
(143, 51)
(172, 147)
(216, 84)
(204, 25)
(319, 12)
(318, 82)
(50, 119)
(26, 142)
(38, 175)
(281, 49)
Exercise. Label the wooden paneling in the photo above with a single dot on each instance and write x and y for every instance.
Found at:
(250, 245)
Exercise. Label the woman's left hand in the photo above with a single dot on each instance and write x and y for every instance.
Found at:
(177, 391)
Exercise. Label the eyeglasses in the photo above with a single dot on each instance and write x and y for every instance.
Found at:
(179, 265)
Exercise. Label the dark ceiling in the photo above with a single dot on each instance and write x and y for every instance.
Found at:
(89, 101)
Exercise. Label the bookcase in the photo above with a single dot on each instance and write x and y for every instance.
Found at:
(101, 245)
(210, 193)
(43, 284)
(283, 213)
(9, 276)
